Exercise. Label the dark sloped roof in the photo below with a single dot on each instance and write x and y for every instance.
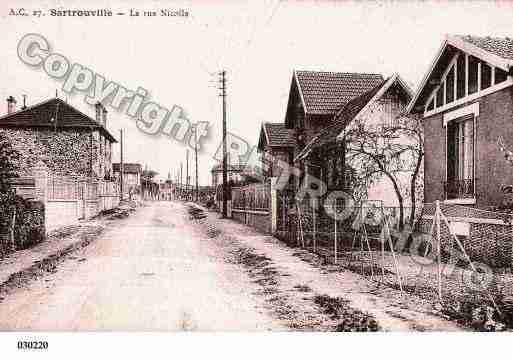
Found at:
(63, 114)
(324, 93)
(279, 136)
(127, 167)
(500, 46)
(342, 119)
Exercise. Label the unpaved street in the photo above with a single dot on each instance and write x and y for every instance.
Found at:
(146, 272)
(163, 269)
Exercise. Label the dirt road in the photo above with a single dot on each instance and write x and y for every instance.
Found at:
(147, 272)
(161, 269)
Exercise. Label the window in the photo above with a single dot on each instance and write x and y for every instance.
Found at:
(460, 158)
(440, 97)
(500, 75)
(486, 76)
(472, 74)
(431, 105)
(449, 86)
(460, 85)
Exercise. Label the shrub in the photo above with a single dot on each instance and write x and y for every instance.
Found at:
(29, 226)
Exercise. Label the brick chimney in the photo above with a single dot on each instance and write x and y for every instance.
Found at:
(11, 104)
(101, 114)
(104, 117)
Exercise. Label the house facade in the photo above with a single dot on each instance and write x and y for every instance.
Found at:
(466, 101)
(131, 176)
(276, 143)
(66, 140)
(371, 117)
(234, 174)
(314, 100)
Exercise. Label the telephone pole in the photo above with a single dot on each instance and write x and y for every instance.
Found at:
(187, 174)
(225, 167)
(196, 158)
(121, 165)
(181, 170)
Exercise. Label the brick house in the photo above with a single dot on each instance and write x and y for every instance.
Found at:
(68, 141)
(275, 143)
(324, 156)
(316, 97)
(466, 101)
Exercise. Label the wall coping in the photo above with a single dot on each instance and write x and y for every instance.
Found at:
(472, 220)
(263, 213)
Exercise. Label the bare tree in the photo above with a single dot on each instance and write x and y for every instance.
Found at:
(394, 152)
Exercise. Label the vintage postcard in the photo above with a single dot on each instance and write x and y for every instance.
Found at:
(256, 166)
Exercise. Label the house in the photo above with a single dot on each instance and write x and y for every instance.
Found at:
(131, 176)
(466, 101)
(234, 174)
(316, 97)
(378, 110)
(167, 189)
(68, 141)
(275, 143)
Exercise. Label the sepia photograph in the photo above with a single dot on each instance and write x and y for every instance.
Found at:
(266, 171)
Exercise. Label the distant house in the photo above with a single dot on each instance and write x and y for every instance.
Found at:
(68, 141)
(316, 97)
(131, 176)
(466, 100)
(166, 189)
(324, 156)
(234, 174)
(276, 143)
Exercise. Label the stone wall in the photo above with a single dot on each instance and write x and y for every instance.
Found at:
(65, 152)
(490, 237)
(258, 220)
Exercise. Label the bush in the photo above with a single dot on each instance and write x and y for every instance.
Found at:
(29, 222)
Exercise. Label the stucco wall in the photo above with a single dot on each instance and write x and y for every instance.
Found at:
(491, 169)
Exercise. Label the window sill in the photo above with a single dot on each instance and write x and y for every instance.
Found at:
(460, 201)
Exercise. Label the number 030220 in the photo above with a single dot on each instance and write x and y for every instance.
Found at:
(32, 345)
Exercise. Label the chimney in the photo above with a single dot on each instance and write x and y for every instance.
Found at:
(24, 107)
(99, 109)
(104, 117)
(11, 105)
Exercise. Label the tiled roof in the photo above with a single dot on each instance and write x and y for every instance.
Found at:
(500, 46)
(279, 136)
(127, 167)
(342, 119)
(53, 113)
(324, 93)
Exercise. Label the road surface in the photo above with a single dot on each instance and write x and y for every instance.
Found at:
(151, 271)
(161, 270)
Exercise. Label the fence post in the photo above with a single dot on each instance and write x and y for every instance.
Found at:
(40, 172)
(274, 205)
(41, 181)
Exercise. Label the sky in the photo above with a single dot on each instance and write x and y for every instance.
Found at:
(259, 43)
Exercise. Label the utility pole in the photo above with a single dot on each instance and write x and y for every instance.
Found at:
(196, 155)
(121, 165)
(187, 173)
(181, 187)
(225, 167)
